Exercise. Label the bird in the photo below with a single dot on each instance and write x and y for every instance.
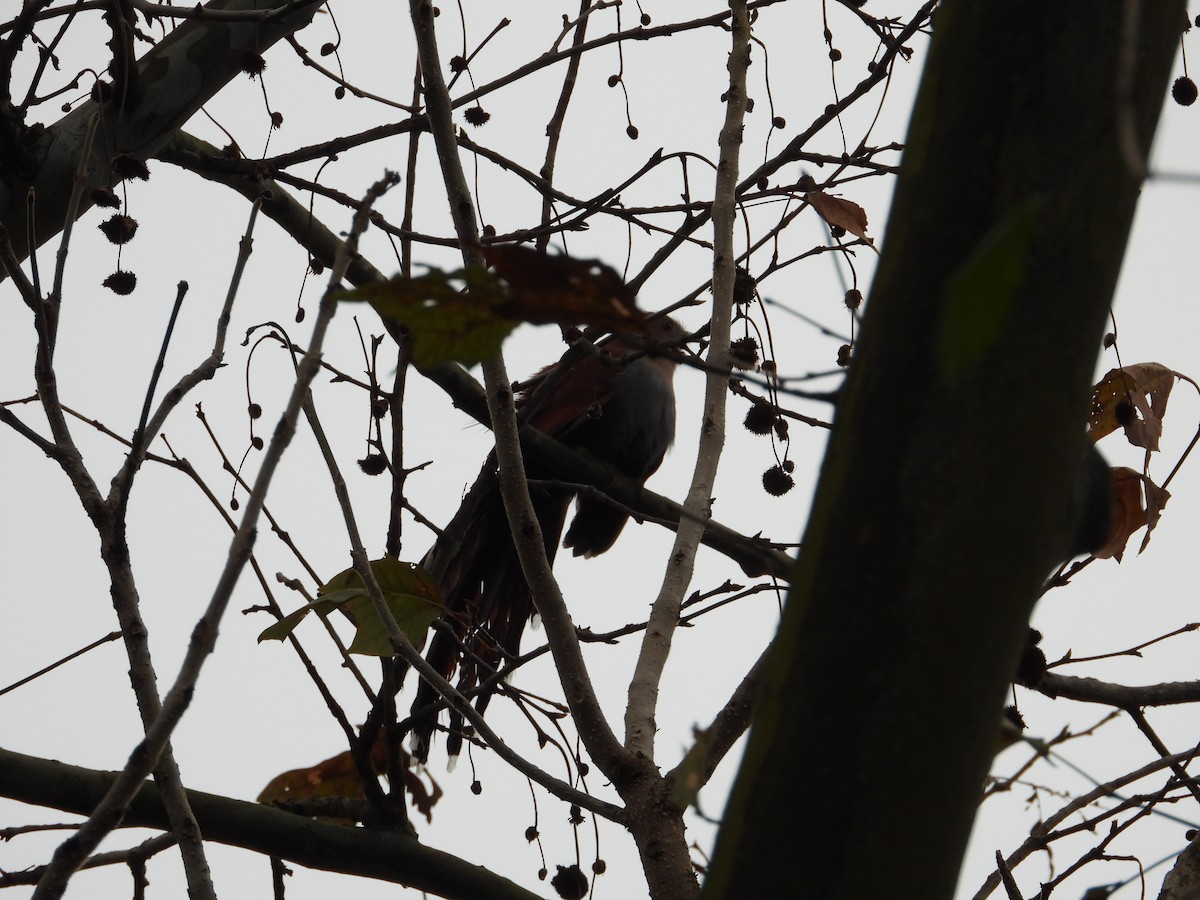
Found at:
(616, 403)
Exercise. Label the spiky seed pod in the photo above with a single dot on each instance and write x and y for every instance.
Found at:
(250, 62)
(477, 116)
(373, 464)
(127, 165)
(744, 352)
(119, 229)
(1184, 91)
(777, 482)
(105, 198)
(121, 282)
(760, 418)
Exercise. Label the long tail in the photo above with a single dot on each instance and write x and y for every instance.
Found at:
(488, 601)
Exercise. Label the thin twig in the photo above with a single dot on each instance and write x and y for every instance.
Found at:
(142, 852)
(1143, 724)
(110, 810)
(1037, 841)
(77, 188)
(111, 636)
(10, 264)
(796, 145)
(554, 128)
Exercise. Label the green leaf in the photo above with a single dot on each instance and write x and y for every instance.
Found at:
(322, 606)
(408, 590)
(466, 314)
(414, 615)
(455, 315)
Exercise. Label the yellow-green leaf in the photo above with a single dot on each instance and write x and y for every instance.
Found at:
(451, 315)
(466, 314)
(410, 594)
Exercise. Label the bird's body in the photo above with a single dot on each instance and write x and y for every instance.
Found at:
(620, 410)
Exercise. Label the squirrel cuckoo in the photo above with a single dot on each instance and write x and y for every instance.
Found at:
(618, 404)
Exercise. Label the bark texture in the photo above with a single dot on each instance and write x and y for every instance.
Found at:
(174, 79)
(947, 490)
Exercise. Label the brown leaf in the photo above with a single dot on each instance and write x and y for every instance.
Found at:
(1156, 499)
(1134, 398)
(839, 212)
(1130, 512)
(338, 777)
(466, 314)
(563, 290)
(423, 799)
(333, 777)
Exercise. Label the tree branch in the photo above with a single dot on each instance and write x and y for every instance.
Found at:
(1121, 696)
(108, 518)
(108, 812)
(179, 75)
(756, 555)
(353, 851)
(602, 745)
(936, 519)
(726, 727)
(640, 724)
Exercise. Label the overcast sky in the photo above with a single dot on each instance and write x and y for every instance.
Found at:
(255, 713)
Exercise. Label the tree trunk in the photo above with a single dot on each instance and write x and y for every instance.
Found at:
(949, 483)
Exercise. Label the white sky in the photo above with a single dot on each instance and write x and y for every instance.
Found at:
(255, 714)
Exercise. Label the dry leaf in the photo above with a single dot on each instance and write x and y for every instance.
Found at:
(467, 313)
(333, 777)
(1134, 398)
(1156, 499)
(548, 289)
(1131, 512)
(338, 777)
(840, 213)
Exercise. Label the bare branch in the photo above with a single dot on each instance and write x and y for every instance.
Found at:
(354, 851)
(640, 725)
(1121, 696)
(594, 730)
